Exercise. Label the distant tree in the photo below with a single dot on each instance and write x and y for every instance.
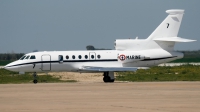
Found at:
(90, 47)
(13, 55)
(8, 57)
(35, 50)
(102, 49)
(19, 55)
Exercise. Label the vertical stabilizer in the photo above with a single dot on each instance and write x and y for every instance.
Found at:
(170, 26)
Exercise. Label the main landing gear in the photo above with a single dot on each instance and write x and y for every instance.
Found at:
(35, 78)
(108, 77)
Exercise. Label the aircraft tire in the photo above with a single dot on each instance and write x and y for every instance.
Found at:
(106, 79)
(35, 81)
(112, 80)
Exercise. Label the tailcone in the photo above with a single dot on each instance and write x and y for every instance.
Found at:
(178, 55)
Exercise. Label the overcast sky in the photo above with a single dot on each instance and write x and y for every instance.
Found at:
(27, 25)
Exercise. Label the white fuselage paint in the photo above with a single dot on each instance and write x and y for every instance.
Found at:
(49, 61)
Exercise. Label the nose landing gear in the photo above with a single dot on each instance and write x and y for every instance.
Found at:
(35, 78)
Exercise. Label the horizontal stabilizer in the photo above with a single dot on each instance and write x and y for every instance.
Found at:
(105, 69)
(173, 39)
(175, 11)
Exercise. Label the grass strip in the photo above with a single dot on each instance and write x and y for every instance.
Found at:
(157, 73)
(9, 77)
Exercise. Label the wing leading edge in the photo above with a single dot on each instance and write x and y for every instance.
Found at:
(104, 69)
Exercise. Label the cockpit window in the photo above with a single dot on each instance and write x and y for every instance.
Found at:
(27, 57)
(32, 57)
(22, 57)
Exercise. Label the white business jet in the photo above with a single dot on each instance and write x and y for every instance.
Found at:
(129, 54)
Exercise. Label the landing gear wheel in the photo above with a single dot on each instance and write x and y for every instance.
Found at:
(112, 80)
(106, 79)
(35, 81)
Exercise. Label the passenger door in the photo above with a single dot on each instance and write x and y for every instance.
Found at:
(46, 62)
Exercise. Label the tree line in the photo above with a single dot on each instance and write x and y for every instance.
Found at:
(191, 54)
(10, 56)
(91, 47)
(15, 56)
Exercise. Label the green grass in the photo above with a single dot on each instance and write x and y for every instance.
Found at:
(178, 73)
(4, 62)
(14, 78)
(187, 60)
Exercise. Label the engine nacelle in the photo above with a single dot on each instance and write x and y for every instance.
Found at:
(124, 44)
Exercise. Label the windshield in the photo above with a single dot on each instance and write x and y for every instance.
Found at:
(27, 57)
(22, 57)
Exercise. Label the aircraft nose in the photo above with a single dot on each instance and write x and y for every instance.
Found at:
(11, 68)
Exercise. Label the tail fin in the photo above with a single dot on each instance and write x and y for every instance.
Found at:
(165, 35)
(170, 26)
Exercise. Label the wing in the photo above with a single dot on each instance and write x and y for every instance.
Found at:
(104, 69)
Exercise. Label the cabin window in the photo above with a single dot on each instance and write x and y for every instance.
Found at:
(86, 56)
(60, 57)
(32, 57)
(27, 57)
(67, 57)
(22, 57)
(98, 56)
(92, 56)
(79, 56)
(73, 57)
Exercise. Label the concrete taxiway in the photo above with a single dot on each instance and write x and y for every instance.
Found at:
(101, 97)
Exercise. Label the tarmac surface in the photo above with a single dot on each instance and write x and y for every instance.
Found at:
(101, 97)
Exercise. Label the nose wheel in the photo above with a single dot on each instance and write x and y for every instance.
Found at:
(35, 78)
(35, 81)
